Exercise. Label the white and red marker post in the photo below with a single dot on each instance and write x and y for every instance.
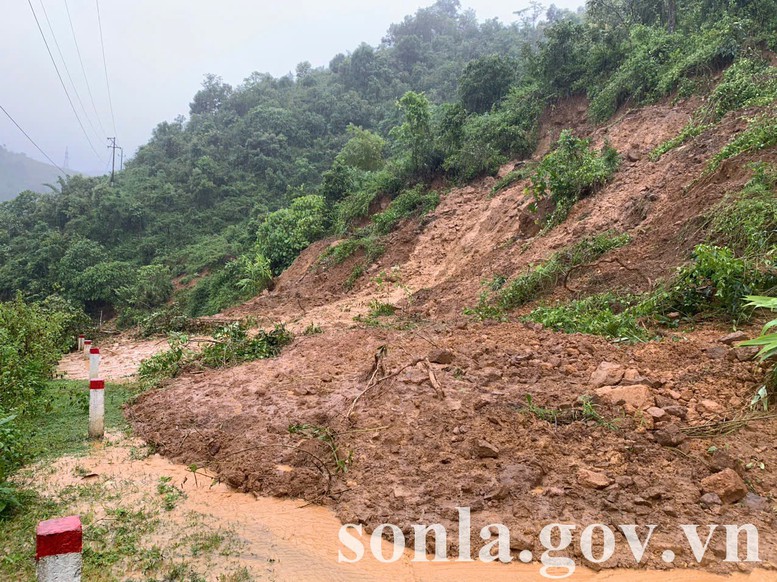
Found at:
(81, 338)
(87, 347)
(96, 409)
(94, 363)
(58, 553)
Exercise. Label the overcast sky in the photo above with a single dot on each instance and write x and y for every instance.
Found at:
(157, 53)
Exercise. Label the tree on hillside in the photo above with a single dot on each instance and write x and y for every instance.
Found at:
(485, 81)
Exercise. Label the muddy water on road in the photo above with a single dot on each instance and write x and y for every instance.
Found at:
(291, 540)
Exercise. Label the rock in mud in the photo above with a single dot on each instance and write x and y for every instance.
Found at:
(755, 502)
(656, 413)
(484, 449)
(720, 460)
(716, 352)
(638, 396)
(607, 374)
(521, 478)
(727, 485)
(677, 411)
(441, 357)
(671, 436)
(710, 500)
(592, 479)
(732, 338)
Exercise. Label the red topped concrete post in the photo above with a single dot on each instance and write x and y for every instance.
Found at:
(94, 363)
(58, 553)
(96, 409)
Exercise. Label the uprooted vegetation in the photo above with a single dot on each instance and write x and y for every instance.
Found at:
(229, 346)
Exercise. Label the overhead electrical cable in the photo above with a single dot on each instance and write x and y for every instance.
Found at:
(67, 71)
(83, 70)
(62, 82)
(32, 141)
(105, 66)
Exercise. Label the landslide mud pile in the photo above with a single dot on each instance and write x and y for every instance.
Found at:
(437, 411)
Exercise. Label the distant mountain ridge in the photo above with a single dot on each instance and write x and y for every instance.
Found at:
(19, 173)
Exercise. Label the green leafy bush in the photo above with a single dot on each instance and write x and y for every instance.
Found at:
(150, 287)
(717, 281)
(506, 296)
(746, 222)
(169, 363)
(31, 343)
(233, 345)
(285, 233)
(413, 202)
(760, 134)
(749, 82)
(571, 171)
(609, 315)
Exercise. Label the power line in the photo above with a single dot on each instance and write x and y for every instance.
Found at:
(105, 65)
(67, 70)
(62, 82)
(83, 69)
(32, 141)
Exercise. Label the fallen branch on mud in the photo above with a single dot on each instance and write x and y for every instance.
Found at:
(724, 427)
(374, 383)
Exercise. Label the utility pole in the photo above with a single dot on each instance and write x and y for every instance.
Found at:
(113, 147)
(121, 165)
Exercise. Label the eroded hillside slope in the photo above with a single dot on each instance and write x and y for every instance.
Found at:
(429, 409)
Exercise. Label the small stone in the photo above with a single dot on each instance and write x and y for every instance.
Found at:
(555, 492)
(607, 374)
(656, 413)
(732, 338)
(671, 436)
(716, 352)
(755, 502)
(727, 484)
(745, 354)
(485, 450)
(720, 460)
(677, 411)
(710, 499)
(638, 396)
(673, 315)
(674, 394)
(711, 406)
(633, 156)
(441, 357)
(498, 494)
(592, 479)
(490, 375)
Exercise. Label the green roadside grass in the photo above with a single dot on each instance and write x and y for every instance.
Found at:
(59, 430)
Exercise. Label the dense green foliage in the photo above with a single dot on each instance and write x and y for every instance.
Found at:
(32, 339)
(258, 171)
(570, 172)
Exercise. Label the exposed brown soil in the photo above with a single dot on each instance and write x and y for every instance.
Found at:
(119, 359)
(433, 436)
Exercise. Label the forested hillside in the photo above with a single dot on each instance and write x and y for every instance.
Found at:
(222, 200)
(19, 173)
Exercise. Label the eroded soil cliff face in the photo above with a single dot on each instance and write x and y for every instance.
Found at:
(428, 409)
